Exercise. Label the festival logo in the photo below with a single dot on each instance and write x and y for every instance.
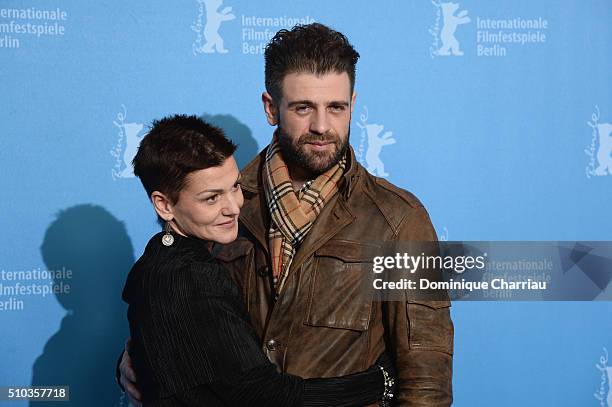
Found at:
(372, 142)
(128, 139)
(604, 393)
(494, 37)
(20, 27)
(253, 31)
(452, 18)
(208, 39)
(445, 43)
(600, 149)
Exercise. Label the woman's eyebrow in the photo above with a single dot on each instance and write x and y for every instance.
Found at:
(219, 190)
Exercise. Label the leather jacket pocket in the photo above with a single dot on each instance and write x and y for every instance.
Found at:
(430, 325)
(341, 289)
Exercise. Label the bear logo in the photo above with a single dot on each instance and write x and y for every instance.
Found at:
(600, 148)
(376, 142)
(128, 140)
(447, 34)
(214, 18)
(606, 377)
(604, 153)
(132, 141)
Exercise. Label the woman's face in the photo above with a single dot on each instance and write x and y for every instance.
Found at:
(209, 204)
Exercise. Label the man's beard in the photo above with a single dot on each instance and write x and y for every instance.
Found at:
(312, 162)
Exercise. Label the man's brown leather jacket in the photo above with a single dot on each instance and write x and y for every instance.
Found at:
(323, 323)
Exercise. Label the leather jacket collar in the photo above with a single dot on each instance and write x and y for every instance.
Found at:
(254, 214)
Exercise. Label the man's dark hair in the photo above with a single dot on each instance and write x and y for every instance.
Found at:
(312, 48)
(176, 146)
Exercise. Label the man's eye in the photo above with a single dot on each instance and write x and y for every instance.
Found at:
(302, 109)
(338, 108)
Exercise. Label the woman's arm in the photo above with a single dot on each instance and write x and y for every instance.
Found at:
(199, 340)
(266, 387)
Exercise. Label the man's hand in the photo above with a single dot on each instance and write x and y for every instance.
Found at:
(128, 377)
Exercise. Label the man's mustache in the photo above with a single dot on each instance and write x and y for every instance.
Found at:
(319, 138)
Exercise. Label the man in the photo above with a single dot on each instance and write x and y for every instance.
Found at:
(309, 213)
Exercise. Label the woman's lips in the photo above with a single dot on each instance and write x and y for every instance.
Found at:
(227, 225)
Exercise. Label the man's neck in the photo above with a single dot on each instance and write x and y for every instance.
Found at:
(298, 177)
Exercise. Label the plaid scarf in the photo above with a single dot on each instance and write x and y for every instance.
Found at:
(292, 214)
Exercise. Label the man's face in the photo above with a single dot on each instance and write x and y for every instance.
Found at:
(313, 118)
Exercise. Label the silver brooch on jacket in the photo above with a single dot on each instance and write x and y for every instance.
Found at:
(167, 238)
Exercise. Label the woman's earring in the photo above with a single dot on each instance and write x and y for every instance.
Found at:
(167, 238)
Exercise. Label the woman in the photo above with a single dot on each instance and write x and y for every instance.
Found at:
(192, 341)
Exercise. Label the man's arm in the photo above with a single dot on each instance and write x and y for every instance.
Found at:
(421, 333)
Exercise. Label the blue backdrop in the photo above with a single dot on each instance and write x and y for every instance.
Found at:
(497, 115)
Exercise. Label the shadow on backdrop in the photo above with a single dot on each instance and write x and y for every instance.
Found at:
(239, 133)
(92, 243)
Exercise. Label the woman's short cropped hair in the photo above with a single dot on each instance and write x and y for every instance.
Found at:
(176, 146)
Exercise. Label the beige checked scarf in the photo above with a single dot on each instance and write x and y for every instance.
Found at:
(292, 214)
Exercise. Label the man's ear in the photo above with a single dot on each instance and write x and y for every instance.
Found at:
(270, 108)
(353, 98)
(162, 205)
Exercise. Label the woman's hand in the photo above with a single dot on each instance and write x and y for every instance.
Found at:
(128, 377)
